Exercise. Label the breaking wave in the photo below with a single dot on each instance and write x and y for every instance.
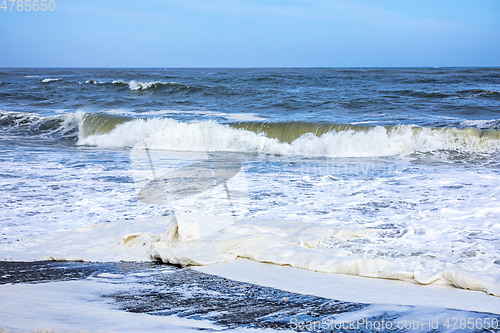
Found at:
(139, 86)
(34, 125)
(282, 138)
(50, 80)
(286, 138)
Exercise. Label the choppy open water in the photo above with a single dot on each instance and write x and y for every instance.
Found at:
(391, 173)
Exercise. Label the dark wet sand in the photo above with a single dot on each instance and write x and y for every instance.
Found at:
(171, 290)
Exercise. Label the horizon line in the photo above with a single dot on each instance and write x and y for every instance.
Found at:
(249, 67)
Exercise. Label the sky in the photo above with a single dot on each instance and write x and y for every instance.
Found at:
(251, 33)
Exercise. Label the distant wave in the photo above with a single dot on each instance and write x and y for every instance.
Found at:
(134, 85)
(483, 124)
(485, 93)
(481, 93)
(161, 87)
(50, 80)
(139, 86)
(94, 82)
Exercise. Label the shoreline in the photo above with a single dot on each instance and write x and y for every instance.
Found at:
(153, 291)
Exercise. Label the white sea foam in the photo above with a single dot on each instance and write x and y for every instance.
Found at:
(76, 306)
(294, 244)
(397, 223)
(412, 238)
(485, 124)
(378, 141)
(141, 85)
(402, 224)
(94, 82)
(291, 243)
(353, 288)
(50, 80)
(137, 85)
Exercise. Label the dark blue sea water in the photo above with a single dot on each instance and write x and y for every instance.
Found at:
(408, 158)
(426, 97)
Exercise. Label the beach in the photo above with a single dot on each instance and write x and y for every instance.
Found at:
(250, 199)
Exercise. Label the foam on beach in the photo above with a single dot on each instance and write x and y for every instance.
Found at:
(187, 242)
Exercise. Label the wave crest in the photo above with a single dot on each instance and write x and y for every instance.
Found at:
(140, 86)
(295, 138)
(286, 138)
(19, 123)
(48, 80)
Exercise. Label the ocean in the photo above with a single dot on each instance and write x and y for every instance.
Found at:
(390, 173)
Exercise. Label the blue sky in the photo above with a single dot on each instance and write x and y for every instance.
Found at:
(253, 33)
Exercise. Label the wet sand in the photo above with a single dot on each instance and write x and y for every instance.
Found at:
(164, 290)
